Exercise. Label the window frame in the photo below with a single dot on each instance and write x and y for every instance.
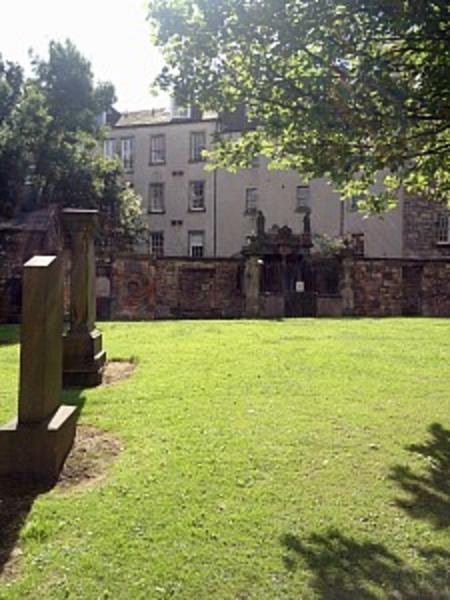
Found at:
(157, 251)
(128, 162)
(109, 142)
(150, 209)
(163, 160)
(255, 162)
(183, 112)
(195, 157)
(251, 210)
(443, 229)
(193, 208)
(302, 203)
(191, 235)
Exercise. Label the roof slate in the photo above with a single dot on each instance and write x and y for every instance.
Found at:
(155, 116)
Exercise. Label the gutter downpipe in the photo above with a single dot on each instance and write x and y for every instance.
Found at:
(215, 204)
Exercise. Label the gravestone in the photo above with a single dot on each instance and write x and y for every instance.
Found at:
(252, 286)
(38, 441)
(84, 357)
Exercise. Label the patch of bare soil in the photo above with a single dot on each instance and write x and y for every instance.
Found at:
(117, 370)
(87, 464)
(89, 459)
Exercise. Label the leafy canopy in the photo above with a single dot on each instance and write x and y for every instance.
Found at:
(49, 140)
(339, 88)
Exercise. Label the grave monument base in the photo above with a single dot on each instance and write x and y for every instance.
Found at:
(84, 359)
(38, 449)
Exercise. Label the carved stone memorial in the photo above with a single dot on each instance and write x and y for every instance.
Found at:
(84, 357)
(277, 276)
(38, 441)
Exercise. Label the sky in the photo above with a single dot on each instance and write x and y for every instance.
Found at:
(112, 34)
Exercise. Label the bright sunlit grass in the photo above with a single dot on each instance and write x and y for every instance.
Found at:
(262, 459)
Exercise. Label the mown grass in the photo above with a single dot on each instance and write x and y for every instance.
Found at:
(286, 459)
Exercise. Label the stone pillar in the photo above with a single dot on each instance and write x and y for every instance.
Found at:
(346, 288)
(38, 441)
(260, 225)
(40, 382)
(83, 355)
(252, 276)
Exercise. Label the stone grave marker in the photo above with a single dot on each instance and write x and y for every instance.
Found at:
(84, 357)
(38, 441)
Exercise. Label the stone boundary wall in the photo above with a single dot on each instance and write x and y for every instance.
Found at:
(173, 288)
(135, 287)
(436, 289)
(395, 287)
(377, 288)
(18, 243)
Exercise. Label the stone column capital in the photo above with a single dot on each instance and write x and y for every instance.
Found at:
(79, 220)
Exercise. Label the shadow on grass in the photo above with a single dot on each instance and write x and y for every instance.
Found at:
(428, 492)
(17, 496)
(16, 500)
(9, 335)
(347, 569)
(74, 397)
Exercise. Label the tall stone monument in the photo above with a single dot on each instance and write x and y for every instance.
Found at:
(84, 357)
(252, 284)
(38, 441)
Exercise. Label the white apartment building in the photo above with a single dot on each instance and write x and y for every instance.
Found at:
(193, 211)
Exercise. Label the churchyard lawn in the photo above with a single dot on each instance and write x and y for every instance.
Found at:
(292, 459)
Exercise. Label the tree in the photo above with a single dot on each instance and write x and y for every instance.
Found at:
(49, 142)
(11, 78)
(11, 84)
(344, 89)
(72, 98)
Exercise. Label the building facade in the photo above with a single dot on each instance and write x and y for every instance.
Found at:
(197, 212)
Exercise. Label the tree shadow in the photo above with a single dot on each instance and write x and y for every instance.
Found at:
(346, 569)
(9, 335)
(429, 491)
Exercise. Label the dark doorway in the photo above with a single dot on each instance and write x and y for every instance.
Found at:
(272, 275)
(412, 290)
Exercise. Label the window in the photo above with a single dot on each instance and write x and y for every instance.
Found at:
(157, 149)
(126, 153)
(198, 144)
(197, 195)
(156, 198)
(303, 197)
(157, 243)
(251, 201)
(196, 244)
(254, 163)
(442, 229)
(182, 112)
(109, 148)
(353, 205)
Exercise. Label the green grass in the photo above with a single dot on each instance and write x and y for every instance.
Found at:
(263, 460)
